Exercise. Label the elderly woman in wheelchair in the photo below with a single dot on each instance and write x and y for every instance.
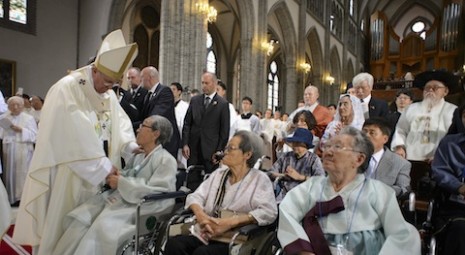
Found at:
(104, 222)
(345, 212)
(233, 196)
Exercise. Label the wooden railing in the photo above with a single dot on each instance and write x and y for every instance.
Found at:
(387, 85)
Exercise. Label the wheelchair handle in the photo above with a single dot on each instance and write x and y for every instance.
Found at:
(164, 195)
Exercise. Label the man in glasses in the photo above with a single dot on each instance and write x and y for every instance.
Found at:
(424, 124)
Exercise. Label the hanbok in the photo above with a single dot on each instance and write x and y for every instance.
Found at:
(103, 223)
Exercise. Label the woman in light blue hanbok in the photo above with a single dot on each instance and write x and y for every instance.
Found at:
(102, 224)
(345, 213)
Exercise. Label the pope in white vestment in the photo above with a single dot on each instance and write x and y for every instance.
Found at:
(69, 162)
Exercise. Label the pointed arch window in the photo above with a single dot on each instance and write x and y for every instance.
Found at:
(273, 86)
(351, 7)
(211, 56)
(18, 15)
(147, 35)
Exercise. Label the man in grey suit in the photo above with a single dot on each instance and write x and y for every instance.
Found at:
(206, 125)
(385, 165)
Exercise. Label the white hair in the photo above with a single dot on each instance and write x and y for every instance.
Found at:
(361, 77)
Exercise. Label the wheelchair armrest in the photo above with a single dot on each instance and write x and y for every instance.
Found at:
(250, 229)
(254, 229)
(164, 195)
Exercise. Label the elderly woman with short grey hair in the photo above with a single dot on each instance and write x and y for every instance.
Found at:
(345, 213)
(152, 171)
(231, 197)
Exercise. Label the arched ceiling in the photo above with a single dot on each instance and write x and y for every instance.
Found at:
(395, 9)
(401, 13)
(227, 23)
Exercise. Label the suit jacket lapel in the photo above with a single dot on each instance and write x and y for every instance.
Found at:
(157, 90)
(384, 163)
(213, 102)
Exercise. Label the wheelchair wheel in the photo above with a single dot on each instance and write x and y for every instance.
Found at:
(150, 244)
(270, 245)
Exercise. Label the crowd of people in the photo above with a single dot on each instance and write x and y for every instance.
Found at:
(340, 169)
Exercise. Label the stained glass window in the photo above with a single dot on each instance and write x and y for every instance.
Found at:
(1, 9)
(18, 11)
(273, 86)
(18, 15)
(211, 57)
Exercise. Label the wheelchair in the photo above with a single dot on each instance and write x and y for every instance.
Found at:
(246, 240)
(150, 231)
(441, 217)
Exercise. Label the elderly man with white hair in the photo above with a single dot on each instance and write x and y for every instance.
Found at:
(320, 112)
(422, 126)
(363, 85)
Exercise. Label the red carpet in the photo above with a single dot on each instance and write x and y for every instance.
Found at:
(7, 247)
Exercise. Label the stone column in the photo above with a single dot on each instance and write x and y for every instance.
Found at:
(182, 43)
(325, 91)
(294, 91)
(251, 77)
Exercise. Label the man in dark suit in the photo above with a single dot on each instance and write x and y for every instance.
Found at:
(137, 91)
(385, 165)
(206, 125)
(125, 101)
(160, 101)
(363, 85)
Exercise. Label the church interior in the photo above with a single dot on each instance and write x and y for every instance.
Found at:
(267, 49)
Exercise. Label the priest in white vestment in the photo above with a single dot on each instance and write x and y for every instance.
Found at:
(18, 146)
(81, 117)
(103, 223)
(422, 125)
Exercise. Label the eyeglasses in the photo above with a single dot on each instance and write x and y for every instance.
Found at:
(336, 148)
(231, 148)
(106, 82)
(433, 87)
(143, 125)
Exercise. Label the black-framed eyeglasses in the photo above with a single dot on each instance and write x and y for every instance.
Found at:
(231, 148)
(143, 125)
